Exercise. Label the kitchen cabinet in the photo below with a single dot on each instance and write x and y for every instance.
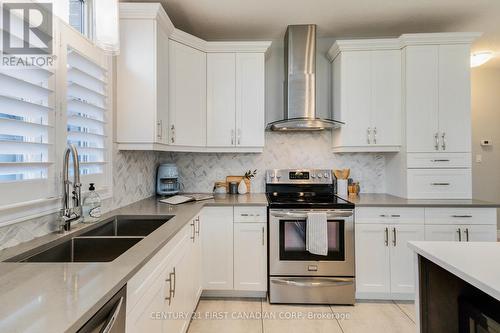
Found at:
(235, 100)
(439, 183)
(372, 259)
(217, 242)
(437, 98)
(367, 95)
(250, 256)
(142, 75)
(385, 264)
(169, 284)
(187, 95)
(234, 242)
(402, 263)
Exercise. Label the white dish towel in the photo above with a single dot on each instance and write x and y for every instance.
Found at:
(317, 234)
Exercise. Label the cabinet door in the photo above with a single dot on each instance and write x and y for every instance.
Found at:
(162, 78)
(402, 257)
(250, 117)
(356, 98)
(421, 79)
(217, 243)
(479, 233)
(372, 258)
(386, 97)
(196, 263)
(250, 256)
(454, 98)
(135, 82)
(449, 233)
(187, 95)
(221, 99)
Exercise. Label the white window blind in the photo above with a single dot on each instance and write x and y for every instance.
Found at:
(87, 112)
(27, 134)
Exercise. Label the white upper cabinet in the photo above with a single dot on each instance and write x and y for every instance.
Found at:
(235, 100)
(221, 99)
(187, 94)
(367, 95)
(142, 75)
(250, 99)
(437, 95)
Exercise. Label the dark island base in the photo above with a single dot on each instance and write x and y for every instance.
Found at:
(447, 302)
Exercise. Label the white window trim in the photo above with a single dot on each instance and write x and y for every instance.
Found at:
(27, 210)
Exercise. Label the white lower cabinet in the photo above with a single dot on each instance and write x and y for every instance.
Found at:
(385, 264)
(234, 255)
(217, 243)
(168, 285)
(402, 263)
(250, 256)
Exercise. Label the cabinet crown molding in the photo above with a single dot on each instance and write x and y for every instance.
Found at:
(401, 42)
(220, 46)
(439, 38)
(147, 11)
(363, 45)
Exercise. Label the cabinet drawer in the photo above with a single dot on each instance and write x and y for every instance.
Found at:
(391, 215)
(439, 160)
(460, 216)
(244, 214)
(439, 184)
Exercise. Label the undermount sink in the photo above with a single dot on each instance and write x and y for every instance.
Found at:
(83, 249)
(129, 226)
(103, 243)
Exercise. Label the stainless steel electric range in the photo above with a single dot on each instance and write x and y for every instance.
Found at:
(295, 275)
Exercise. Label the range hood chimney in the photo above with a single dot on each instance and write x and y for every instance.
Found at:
(300, 83)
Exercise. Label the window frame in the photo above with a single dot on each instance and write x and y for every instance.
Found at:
(65, 35)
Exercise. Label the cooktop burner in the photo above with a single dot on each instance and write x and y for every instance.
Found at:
(307, 200)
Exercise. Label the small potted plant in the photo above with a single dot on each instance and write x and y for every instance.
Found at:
(243, 187)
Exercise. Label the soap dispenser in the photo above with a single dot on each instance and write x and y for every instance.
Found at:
(91, 206)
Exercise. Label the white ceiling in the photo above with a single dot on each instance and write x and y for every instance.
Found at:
(267, 19)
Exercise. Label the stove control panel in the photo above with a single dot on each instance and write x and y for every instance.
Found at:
(299, 176)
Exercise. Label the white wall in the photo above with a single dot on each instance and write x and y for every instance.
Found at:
(486, 125)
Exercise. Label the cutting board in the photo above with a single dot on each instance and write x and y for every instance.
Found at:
(238, 180)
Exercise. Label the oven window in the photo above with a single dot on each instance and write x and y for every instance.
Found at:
(293, 241)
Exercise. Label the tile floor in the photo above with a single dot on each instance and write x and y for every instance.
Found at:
(255, 315)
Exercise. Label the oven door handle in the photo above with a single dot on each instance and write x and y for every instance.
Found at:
(303, 215)
(324, 282)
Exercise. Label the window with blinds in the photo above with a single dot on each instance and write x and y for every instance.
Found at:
(86, 112)
(27, 133)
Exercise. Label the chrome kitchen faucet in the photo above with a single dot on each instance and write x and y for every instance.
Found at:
(70, 214)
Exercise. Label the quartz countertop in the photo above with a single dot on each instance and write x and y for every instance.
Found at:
(387, 200)
(61, 297)
(474, 262)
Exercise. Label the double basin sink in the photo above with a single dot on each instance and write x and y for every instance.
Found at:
(103, 243)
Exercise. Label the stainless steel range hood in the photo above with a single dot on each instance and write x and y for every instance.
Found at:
(300, 83)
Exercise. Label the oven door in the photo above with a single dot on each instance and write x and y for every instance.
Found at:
(287, 245)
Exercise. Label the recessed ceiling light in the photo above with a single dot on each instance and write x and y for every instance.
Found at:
(480, 58)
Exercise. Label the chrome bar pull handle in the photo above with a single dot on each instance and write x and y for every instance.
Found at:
(194, 231)
(436, 138)
(172, 132)
(159, 128)
(239, 136)
(375, 135)
(232, 137)
(394, 241)
(459, 231)
(443, 137)
(263, 236)
(467, 234)
(368, 135)
(386, 238)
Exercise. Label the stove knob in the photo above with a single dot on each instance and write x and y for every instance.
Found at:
(313, 176)
(326, 174)
(319, 175)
